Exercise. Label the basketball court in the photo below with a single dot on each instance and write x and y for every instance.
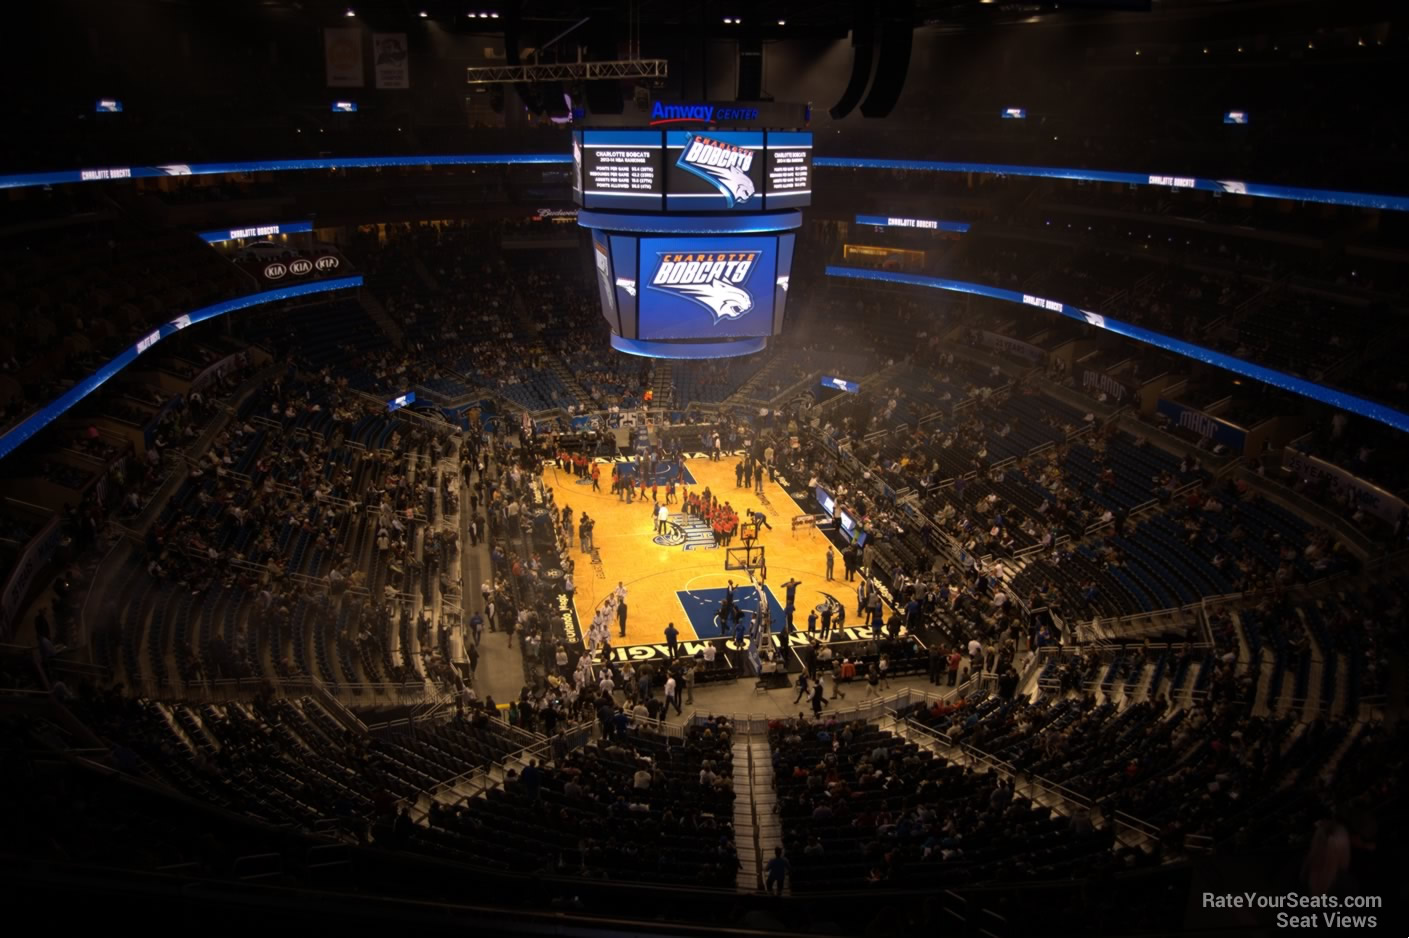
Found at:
(680, 576)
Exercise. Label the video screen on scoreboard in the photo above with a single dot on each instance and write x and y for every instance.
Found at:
(577, 166)
(606, 292)
(710, 171)
(706, 288)
(622, 169)
(789, 170)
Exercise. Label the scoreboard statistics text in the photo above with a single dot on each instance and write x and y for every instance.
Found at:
(692, 170)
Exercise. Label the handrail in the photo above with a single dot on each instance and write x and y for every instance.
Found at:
(98, 574)
(753, 808)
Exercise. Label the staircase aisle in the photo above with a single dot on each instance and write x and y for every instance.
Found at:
(564, 373)
(425, 274)
(379, 315)
(754, 842)
(663, 383)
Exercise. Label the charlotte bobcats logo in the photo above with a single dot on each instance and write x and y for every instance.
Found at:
(717, 280)
(722, 164)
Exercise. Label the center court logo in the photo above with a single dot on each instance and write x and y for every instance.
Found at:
(717, 280)
(723, 165)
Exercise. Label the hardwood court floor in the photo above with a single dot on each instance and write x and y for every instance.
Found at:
(653, 573)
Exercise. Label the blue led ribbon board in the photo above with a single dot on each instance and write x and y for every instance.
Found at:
(1390, 203)
(56, 408)
(788, 169)
(1350, 403)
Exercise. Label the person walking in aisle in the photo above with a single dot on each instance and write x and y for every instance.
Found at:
(672, 692)
(819, 698)
(802, 688)
(778, 869)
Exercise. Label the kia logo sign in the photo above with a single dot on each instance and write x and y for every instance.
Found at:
(300, 267)
(326, 262)
(275, 270)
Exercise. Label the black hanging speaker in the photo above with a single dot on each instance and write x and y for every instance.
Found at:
(897, 36)
(526, 91)
(750, 69)
(603, 96)
(863, 37)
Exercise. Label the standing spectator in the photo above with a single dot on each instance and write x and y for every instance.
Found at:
(672, 637)
(831, 558)
(672, 692)
(778, 867)
(621, 617)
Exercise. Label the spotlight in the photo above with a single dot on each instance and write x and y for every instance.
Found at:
(728, 21)
(350, 12)
(785, 22)
(424, 14)
(494, 16)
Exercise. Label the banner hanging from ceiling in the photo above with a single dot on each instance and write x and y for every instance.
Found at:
(342, 55)
(390, 61)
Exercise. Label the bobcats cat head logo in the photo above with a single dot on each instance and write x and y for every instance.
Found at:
(724, 165)
(716, 280)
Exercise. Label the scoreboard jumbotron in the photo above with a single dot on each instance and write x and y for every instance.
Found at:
(692, 232)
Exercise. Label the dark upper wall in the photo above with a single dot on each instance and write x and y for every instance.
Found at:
(202, 82)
